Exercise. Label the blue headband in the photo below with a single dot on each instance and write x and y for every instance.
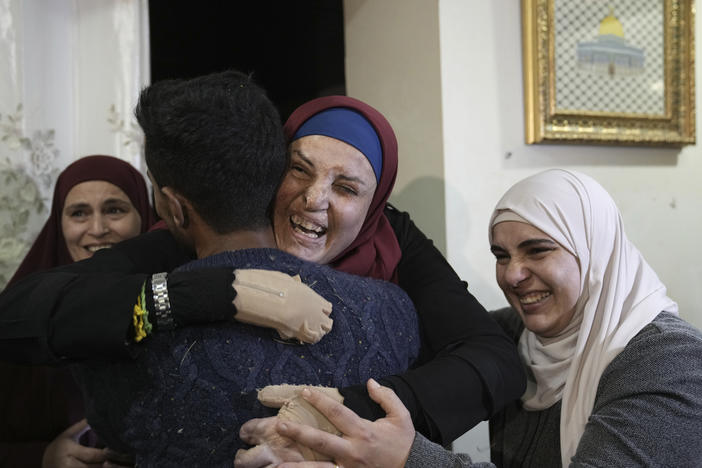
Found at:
(350, 127)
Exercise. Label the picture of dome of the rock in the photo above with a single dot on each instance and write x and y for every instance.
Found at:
(610, 53)
(609, 56)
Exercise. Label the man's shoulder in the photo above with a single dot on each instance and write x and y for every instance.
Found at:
(263, 258)
(274, 259)
(350, 295)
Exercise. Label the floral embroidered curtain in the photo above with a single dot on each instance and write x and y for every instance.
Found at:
(70, 75)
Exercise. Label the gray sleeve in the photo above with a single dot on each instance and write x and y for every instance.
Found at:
(509, 320)
(649, 402)
(426, 454)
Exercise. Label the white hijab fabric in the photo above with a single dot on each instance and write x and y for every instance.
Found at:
(619, 294)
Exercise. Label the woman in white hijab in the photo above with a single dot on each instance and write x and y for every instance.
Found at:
(615, 376)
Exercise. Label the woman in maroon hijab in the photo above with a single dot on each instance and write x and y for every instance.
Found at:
(98, 201)
(336, 213)
(108, 179)
(465, 371)
(369, 248)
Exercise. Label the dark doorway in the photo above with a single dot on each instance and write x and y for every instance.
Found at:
(295, 49)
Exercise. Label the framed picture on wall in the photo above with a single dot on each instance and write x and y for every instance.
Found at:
(609, 71)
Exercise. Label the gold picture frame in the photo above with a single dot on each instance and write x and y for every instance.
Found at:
(609, 71)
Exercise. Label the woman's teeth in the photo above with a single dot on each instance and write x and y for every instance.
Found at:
(533, 298)
(305, 227)
(95, 248)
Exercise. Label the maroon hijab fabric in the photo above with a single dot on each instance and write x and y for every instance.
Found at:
(49, 249)
(37, 403)
(375, 252)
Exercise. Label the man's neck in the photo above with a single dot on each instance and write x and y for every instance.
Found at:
(211, 243)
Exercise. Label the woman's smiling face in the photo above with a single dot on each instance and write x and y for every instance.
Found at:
(540, 279)
(96, 215)
(323, 199)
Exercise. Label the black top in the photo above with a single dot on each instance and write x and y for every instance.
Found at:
(467, 370)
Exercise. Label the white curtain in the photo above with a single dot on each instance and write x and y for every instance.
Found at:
(70, 75)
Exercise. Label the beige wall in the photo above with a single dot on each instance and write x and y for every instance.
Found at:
(392, 63)
(454, 96)
(658, 190)
(465, 137)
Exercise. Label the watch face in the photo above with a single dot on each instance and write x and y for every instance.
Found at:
(159, 286)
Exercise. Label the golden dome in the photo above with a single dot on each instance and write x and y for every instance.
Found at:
(611, 25)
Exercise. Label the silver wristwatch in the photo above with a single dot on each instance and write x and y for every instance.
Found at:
(162, 306)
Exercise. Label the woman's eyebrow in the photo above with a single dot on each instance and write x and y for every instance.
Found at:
(346, 178)
(352, 179)
(115, 200)
(302, 156)
(532, 242)
(496, 248)
(75, 206)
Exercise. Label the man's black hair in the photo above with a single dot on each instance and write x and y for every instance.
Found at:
(218, 140)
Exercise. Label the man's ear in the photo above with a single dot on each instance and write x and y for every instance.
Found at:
(178, 207)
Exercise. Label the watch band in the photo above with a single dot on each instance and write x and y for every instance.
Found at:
(162, 305)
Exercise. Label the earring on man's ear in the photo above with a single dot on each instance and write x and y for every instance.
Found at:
(175, 220)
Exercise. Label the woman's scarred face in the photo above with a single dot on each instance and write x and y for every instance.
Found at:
(323, 199)
(540, 279)
(96, 215)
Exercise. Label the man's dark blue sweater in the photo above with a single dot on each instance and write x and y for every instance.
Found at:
(183, 401)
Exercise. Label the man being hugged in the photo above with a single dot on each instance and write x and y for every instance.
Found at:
(215, 153)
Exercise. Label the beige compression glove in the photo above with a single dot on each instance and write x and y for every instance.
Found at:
(275, 396)
(295, 408)
(275, 300)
